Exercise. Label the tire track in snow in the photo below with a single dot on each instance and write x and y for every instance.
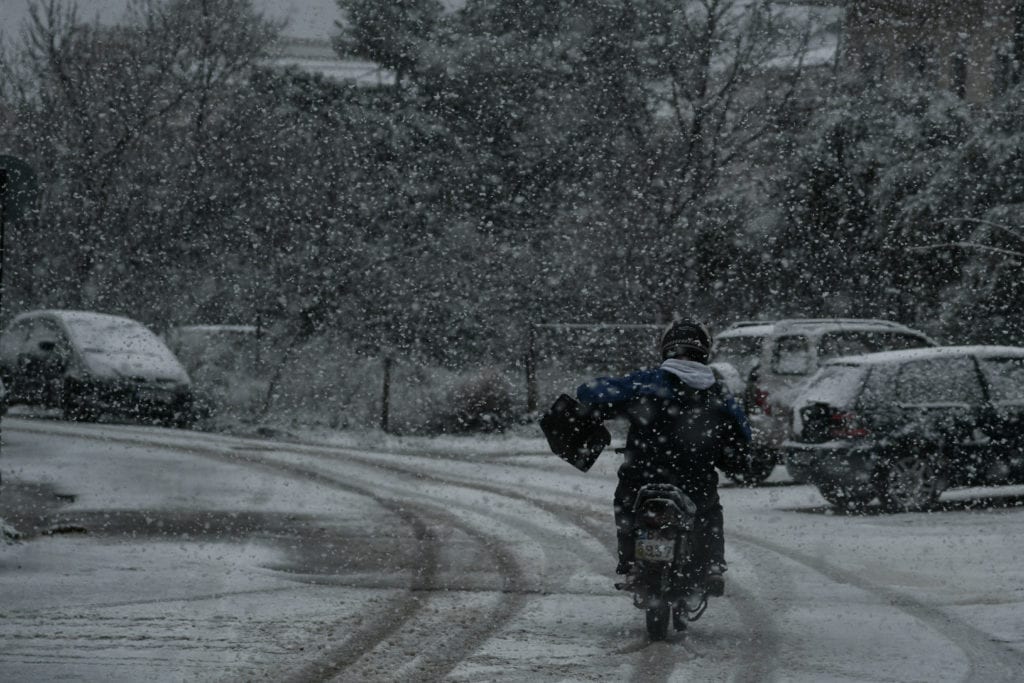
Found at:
(651, 667)
(758, 657)
(461, 640)
(390, 616)
(397, 612)
(457, 643)
(988, 661)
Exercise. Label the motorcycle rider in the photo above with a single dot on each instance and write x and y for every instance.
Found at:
(682, 422)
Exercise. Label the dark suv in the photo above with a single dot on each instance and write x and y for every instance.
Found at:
(905, 425)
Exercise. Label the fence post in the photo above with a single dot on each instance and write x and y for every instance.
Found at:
(385, 400)
(258, 361)
(531, 369)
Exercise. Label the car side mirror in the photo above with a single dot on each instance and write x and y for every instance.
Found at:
(47, 346)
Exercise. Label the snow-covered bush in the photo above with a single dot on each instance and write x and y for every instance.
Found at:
(482, 402)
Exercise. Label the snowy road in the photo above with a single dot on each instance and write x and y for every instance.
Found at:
(167, 555)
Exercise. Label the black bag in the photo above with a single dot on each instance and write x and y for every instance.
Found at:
(574, 435)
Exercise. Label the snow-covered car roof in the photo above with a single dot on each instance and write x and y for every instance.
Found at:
(93, 330)
(928, 353)
(821, 325)
(217, 329)
(83, 317)
(812, 326)
(754, 328)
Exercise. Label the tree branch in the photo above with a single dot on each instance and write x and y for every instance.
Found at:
(1017, 255)
(1011, 231)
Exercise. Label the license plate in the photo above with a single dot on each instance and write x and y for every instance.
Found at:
(655, 551)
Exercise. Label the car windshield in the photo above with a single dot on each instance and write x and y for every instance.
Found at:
(114, 336)
(740, 352)
(836, 385)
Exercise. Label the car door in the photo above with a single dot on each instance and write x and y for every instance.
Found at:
(790, 361)
(941, 402)
(12, 341)
(41, 363)
(12, 344)
(1004, 380)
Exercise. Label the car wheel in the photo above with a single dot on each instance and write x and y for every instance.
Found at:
(758, 467)
(846, 497)
(183, 420)
(909, 483)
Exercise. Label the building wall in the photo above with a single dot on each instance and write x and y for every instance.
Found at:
(967, 46)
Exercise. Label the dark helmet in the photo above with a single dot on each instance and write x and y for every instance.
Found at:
(687, 339)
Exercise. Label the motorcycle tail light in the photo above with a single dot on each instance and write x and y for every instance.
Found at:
(847, 426)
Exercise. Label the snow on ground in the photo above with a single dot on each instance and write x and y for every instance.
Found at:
(293, 559)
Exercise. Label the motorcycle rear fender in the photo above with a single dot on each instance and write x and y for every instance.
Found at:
(661, 498)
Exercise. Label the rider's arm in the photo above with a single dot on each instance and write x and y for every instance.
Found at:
(736, 415)
(612, 395)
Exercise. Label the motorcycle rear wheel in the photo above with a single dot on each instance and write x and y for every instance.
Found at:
(658, 618)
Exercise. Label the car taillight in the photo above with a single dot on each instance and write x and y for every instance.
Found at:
(846, 426)
(761, 401)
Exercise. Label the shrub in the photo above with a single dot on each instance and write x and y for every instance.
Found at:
(481, 403)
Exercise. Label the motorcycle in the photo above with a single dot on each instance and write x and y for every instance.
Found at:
(668, 575)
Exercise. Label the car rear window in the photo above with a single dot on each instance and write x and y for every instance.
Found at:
(837, 385)
(939, 381)
(887, 341)
(1005, 378)
(851, 343)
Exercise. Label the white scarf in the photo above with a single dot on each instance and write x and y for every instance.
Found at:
(694, 374)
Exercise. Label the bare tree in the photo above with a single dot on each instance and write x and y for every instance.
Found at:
(117, 118)
(718, 80)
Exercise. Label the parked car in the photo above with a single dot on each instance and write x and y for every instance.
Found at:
(905, 425)
(89, 364)
(776, 358)
(735, 353)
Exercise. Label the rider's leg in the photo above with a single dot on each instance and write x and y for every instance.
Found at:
(714, 546)
(625, 496)
(714, 533)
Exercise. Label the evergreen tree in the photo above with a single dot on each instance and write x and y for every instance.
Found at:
(391, 33)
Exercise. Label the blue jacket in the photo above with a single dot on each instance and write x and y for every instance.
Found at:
(676, 431)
